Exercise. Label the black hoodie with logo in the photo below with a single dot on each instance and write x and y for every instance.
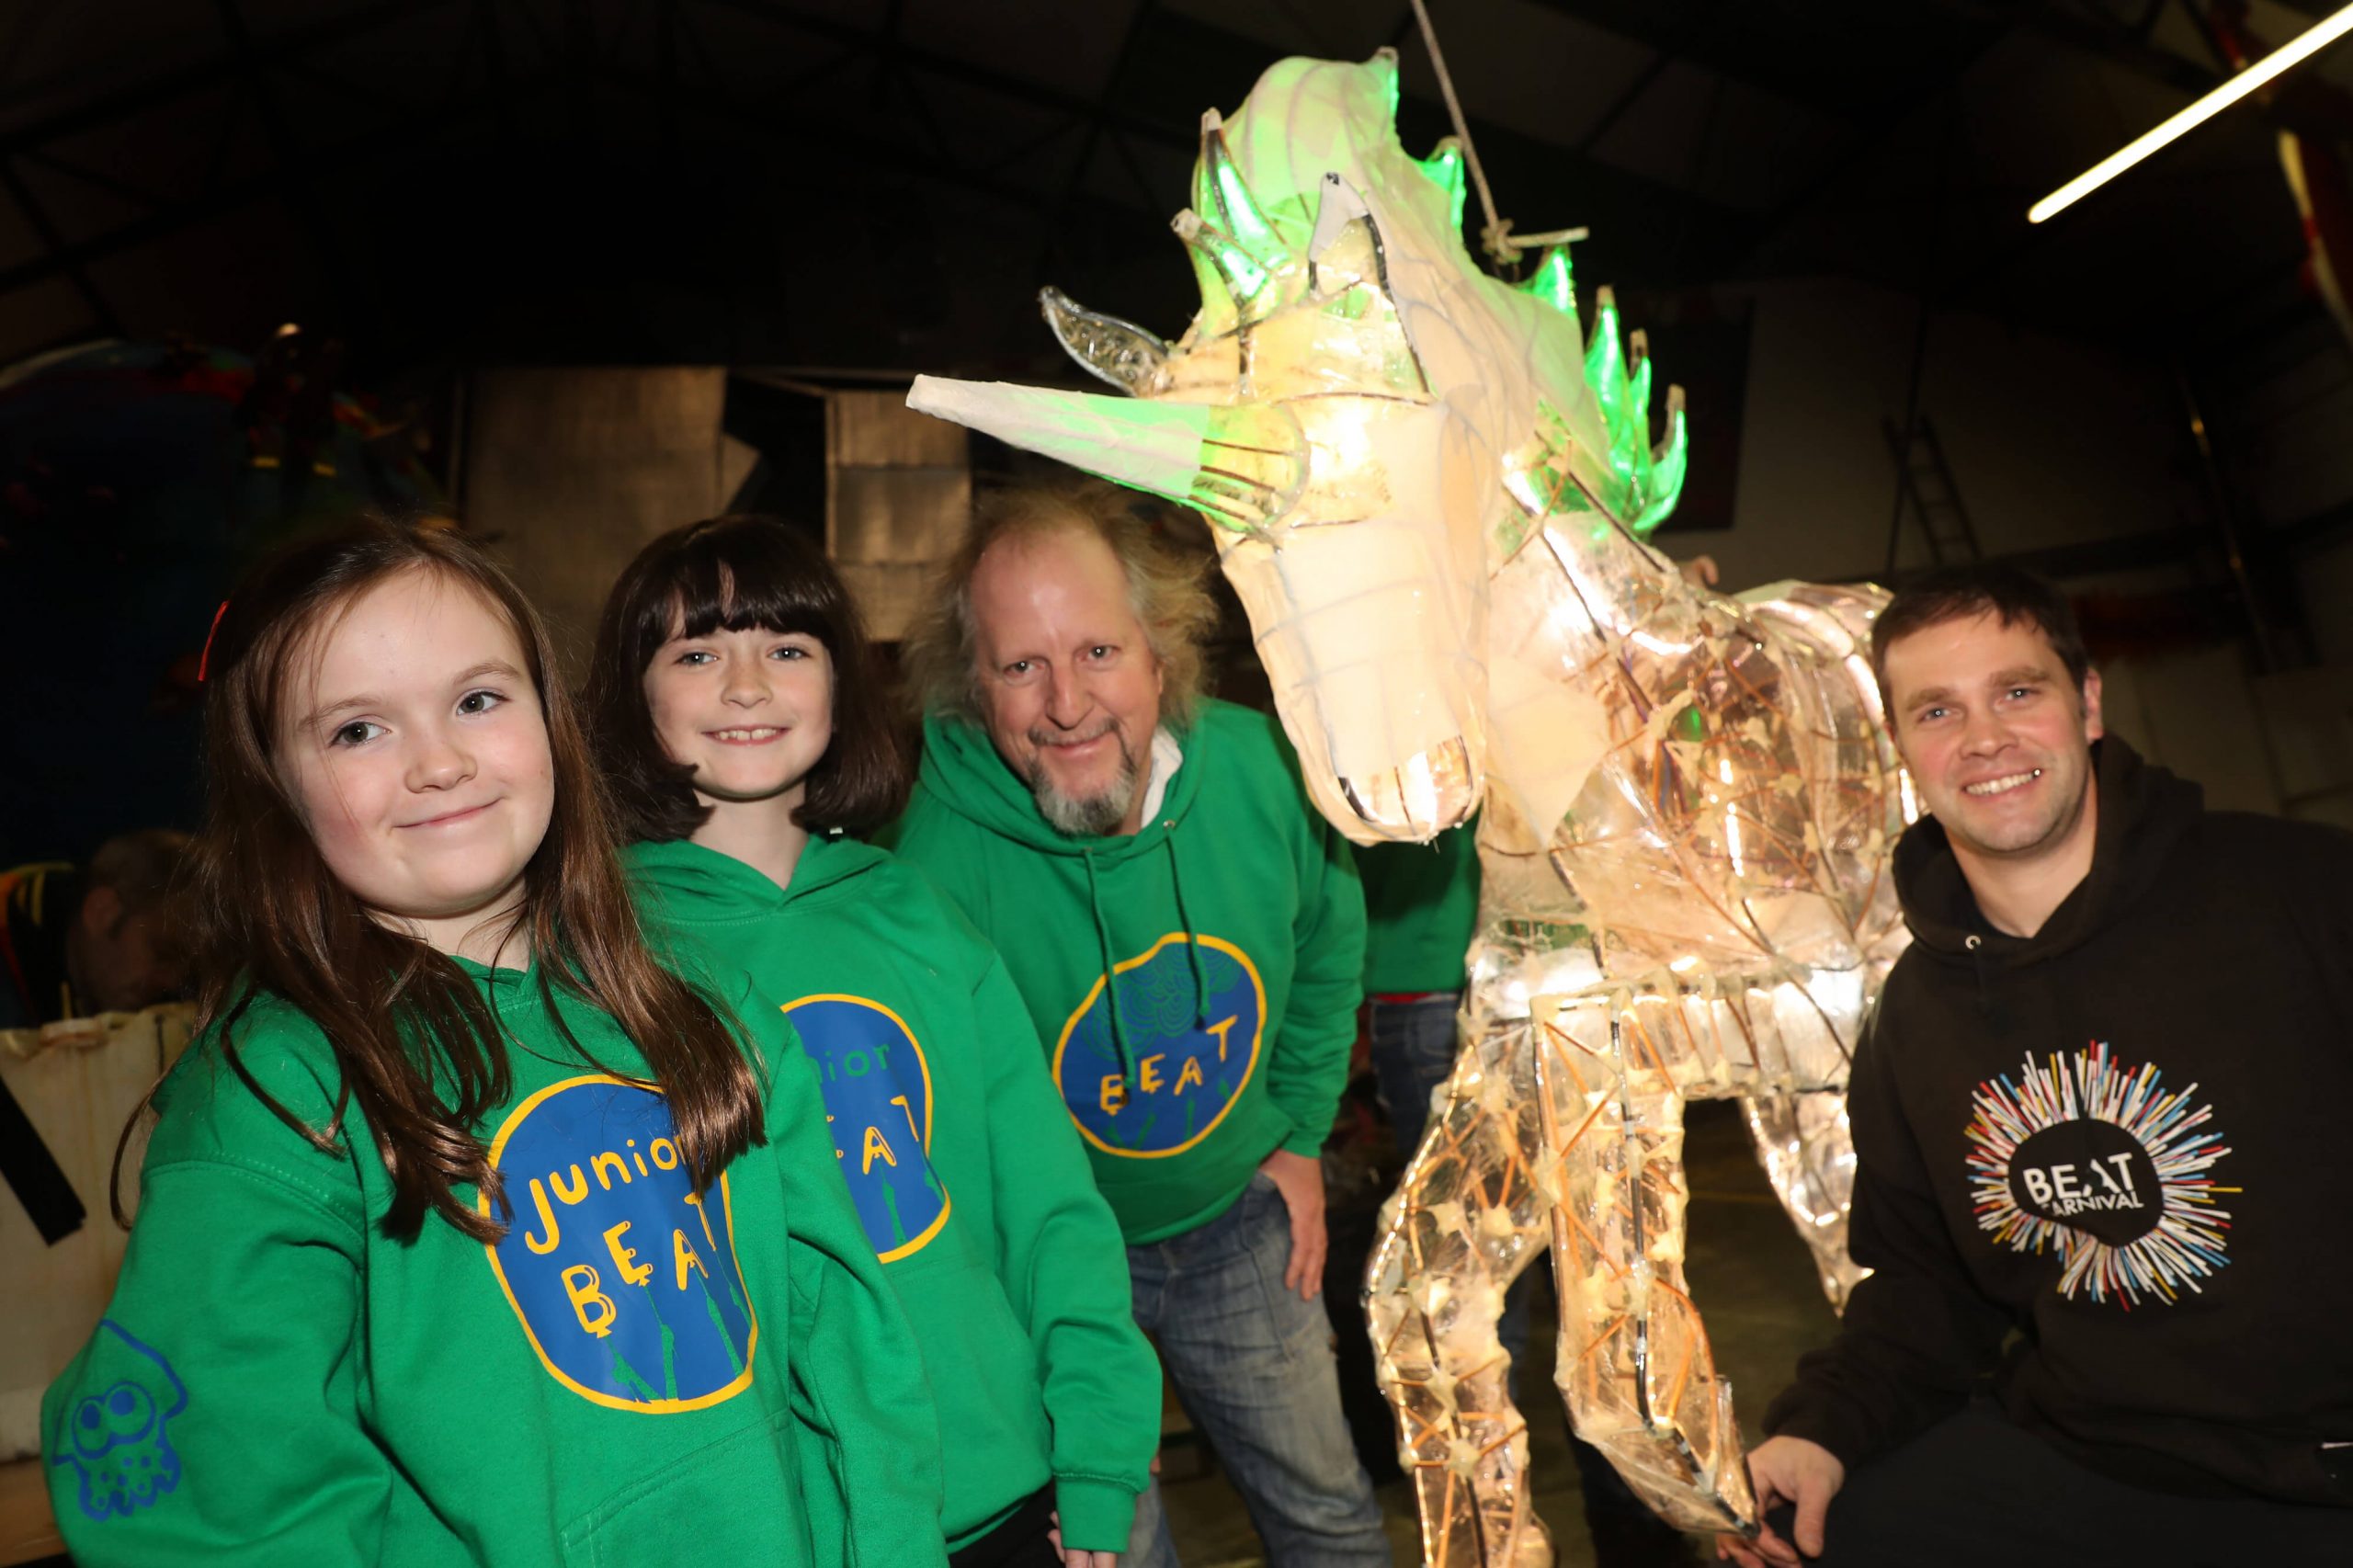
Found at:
(2128, 1138)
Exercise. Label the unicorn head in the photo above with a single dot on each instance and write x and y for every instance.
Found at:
(1373, 427)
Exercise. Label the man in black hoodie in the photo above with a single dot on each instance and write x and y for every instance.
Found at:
(2104, 1179)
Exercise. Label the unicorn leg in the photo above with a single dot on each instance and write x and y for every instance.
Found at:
(1634, 1365)
(1467, 1219)
(1808, 1152)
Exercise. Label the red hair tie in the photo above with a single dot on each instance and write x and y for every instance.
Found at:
(209, 634)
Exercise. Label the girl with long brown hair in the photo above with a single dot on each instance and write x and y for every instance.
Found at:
(468, 1232)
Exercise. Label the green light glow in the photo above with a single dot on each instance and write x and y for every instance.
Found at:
(1604, 370)
(1444, 166)
(1605, 361)
(1246, 240)
(1638, 423)
(1553, 282)
(1666, 475)
(1220, 189)
(1218, 315)
(1239, 277)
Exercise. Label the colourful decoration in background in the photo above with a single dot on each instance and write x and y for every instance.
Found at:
(136, 481)
(1432, 493)
(2317, 177)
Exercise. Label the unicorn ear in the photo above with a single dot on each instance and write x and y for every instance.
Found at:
(1339, 205)
(1243, 263)
(1344, 250)
(1117, 351)
(1224, 197)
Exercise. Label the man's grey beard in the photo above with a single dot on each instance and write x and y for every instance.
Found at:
(1087, 816)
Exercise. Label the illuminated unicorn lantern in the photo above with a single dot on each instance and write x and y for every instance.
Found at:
(1432, 498)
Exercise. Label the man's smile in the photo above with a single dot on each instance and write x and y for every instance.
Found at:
(2003, 785)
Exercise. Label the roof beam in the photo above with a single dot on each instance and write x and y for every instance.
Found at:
(1833, 63)
(223, 69)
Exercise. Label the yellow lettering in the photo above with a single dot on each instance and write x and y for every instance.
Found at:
(682, 1255)
(579, 1186)
(639, 1158)
(1189, 1073)
(1114, 1094)
(546, 1221)
(580, 1285)
(913, 1131)
(1148, 1073)
(625, 1258)
(661, 1147)
(1223, 1027)
(877, 1145)
(599, 1164)
(696, 1199)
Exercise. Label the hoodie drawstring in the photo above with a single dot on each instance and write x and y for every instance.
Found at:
(1119, 1046)
(1977, 946)
(1192, 942)
(1111, 976)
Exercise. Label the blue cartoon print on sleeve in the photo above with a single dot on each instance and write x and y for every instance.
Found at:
(119, 1440)
(625, 1280)
(1193, 1048)
(877, 1086)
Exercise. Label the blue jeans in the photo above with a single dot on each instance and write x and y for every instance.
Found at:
(1253, 1365)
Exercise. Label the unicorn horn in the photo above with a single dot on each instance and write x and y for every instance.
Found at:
(1240, 465)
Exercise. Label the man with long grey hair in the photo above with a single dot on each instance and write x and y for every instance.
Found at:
(1189, 939)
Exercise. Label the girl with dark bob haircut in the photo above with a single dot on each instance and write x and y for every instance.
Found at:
(744, 729)
(738, 574)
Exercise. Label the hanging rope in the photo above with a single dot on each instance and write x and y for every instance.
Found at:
(1496, 238)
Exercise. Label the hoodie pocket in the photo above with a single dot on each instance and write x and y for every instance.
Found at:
(733, 1501)
(983, 1373)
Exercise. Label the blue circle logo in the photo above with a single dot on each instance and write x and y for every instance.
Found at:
(625, 1282)
(877, 1106)
(1193, 1046)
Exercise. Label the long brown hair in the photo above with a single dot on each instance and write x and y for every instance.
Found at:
(744, 572)
(421, 1052)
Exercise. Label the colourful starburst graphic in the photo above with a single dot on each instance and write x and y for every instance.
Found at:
(2130, 1208)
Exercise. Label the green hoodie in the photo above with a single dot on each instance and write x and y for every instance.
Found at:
(632, 1376)
(1234, 926)
(1421, 905)
(1006, 1258)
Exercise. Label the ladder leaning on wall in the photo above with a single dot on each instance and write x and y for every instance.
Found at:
(1925, 491)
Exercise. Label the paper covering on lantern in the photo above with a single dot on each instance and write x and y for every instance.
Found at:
(1433, 494)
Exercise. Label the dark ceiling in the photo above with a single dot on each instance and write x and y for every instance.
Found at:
(884, 184)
